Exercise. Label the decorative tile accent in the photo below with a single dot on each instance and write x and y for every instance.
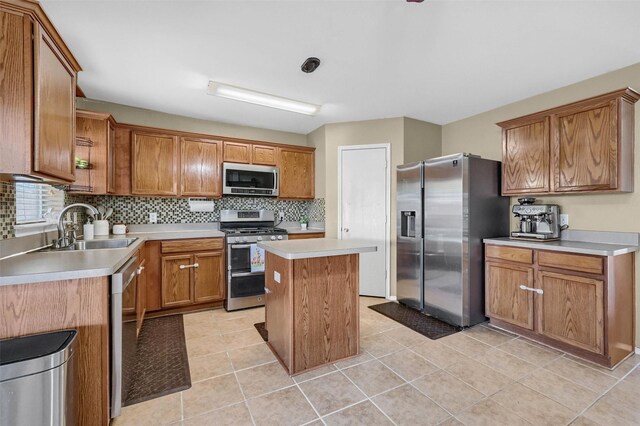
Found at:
(316, 210)
(134, 210)
(7, 209)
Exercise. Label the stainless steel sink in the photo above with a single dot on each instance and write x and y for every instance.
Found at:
(95, 245)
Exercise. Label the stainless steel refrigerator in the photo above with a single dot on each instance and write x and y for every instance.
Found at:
(445, 207)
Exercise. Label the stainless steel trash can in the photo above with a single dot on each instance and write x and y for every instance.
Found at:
(37, 379)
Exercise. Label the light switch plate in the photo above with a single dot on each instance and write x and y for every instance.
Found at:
(276, 276)
(564, 219)
(153, 217)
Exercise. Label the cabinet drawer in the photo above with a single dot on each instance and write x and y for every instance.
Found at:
(306, 236)
(573, 262)
(512, 254)
(196, 244)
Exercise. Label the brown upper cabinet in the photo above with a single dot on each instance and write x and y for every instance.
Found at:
(297, 176)
(586, 146)
(154, 163)
(200, 167)
(249, 153)
(37, 87)
(95, 140)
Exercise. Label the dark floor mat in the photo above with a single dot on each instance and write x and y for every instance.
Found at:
(161, 365)
(428, 326)
(260, 326)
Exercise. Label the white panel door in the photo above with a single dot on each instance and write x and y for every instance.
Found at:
(363, 209)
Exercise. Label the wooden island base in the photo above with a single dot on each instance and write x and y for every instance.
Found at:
(312, 310)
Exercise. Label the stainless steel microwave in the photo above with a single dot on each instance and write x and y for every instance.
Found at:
(248, 179)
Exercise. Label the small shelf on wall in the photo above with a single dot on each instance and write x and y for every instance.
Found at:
(80, 141)
(79, 188)
(84, 181)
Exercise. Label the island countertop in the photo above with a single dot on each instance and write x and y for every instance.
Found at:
(315, 247)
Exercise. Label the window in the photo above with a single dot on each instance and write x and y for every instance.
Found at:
(35, 203)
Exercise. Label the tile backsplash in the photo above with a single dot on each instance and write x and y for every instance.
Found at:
(7, 209)
(133, 210)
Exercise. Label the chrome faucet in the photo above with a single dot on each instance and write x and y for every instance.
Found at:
(64, 240)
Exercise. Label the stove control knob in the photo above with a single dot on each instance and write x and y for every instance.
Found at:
(273, 238)
(244, 239)
(231, 239)
(279, 237)
(259, 238)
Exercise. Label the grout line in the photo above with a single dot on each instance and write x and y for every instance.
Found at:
(604, 394)
(310, 404)
(369, 398)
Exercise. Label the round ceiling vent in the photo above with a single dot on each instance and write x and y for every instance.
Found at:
(310, 65)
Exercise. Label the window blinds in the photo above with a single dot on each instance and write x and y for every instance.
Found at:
(35, 202)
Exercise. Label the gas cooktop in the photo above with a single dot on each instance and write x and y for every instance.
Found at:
(253, 231)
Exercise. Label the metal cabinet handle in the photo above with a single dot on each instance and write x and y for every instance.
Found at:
(267, 291)
(195, 265)
(140, 269)
(537, 290)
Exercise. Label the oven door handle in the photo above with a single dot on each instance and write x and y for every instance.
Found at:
(245, 274)
(240, 246)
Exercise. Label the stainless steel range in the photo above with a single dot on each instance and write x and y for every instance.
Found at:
(245, 260)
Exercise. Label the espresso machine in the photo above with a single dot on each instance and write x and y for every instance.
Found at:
(537, 221)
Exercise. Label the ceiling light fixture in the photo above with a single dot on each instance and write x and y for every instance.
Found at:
(251, 96)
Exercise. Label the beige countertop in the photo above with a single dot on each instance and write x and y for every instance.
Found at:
(583, 247)
(315, 247)
(65, 265)
(298, 230)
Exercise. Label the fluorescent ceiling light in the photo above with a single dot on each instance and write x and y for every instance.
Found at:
(258, 98)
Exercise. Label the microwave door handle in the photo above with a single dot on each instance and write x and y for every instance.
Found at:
(275, 179)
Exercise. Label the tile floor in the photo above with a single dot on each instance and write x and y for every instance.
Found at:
(477, 377)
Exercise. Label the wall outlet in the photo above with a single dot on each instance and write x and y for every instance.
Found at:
(281, 216)
(153, 217)
(564, 219)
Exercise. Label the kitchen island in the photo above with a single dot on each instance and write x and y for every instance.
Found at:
(311, 301)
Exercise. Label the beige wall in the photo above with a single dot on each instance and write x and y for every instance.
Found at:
(145, 117)
(317, 140)
(612, 212)
(422, 140)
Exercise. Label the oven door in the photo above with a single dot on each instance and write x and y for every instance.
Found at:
(246, 264)
(246, 179)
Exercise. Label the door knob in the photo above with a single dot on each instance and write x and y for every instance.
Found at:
(346, 229)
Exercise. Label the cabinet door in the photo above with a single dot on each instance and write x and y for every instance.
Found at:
(585, 148)
(122, 161)
(208, 277)
(111, 157)
(235, 152)
(176, 280)
(55, 109)
(504, 299)
(571, 310)
(201, 160)
(16, 92)
(296, 173)
(525, 157)
(154, 166)
(264, 155)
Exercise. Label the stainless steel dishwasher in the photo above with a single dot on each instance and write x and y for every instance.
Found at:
(123, 331)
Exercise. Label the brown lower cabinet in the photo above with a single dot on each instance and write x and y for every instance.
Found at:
(581, 304)
(306, 236)
(184, 274)
(81, 304)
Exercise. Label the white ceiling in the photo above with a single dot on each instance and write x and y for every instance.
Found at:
(437, 61)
